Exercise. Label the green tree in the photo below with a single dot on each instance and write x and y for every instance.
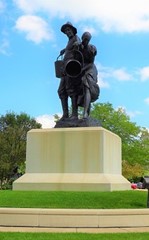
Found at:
(13, 132)
(132, 172)
(135, 140)
(116, 121)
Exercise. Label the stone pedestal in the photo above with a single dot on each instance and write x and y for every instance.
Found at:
(72, 159)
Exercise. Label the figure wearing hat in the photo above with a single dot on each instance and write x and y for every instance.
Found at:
(73, 41)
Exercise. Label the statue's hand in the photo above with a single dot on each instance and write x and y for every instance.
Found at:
(62, 52)
(76, 45)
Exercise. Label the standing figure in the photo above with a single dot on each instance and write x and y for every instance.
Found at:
(63, 90)
(89, 74)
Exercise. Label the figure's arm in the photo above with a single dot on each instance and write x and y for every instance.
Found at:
(93, 50)
(86, 67)
(62, 51)
(77, 43)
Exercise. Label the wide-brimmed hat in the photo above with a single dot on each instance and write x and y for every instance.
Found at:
(68, 24)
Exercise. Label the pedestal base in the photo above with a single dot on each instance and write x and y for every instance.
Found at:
(72, 159)
(71, 182)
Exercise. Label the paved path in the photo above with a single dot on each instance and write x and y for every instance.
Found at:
(74, 230)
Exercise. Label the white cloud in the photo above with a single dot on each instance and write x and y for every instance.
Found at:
(102, 75)
(102, 83)
(144, 73)
(4, 46)
(28, 6)
(47, 121)
(4, 43)
(114, 15)
(121, 75)
(2, 6)
(89, 28)
(35, 28)
(131, 114)
(105, 73)
(146, 100)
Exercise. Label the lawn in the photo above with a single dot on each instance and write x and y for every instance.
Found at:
(131, 199)
(76, 200)
(73, 236)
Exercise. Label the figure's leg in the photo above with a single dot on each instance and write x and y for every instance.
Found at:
(74, 107)
(89, 108)
(64, 98)
(87, 102)
(64, 102)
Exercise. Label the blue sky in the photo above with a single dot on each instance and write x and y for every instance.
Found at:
(30, 41)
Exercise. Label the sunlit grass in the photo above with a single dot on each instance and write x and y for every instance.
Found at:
(73, 236)
(76, 200)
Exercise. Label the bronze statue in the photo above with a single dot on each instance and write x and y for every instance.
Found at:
(78, 74)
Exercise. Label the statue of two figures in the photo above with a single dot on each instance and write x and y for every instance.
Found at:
(78, 77)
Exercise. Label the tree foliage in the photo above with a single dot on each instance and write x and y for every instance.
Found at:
(132, 172)
(135, 139)
(13, 131)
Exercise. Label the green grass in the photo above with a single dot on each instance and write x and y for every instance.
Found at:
(75, 200)
(73, 236)
(88, 200)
